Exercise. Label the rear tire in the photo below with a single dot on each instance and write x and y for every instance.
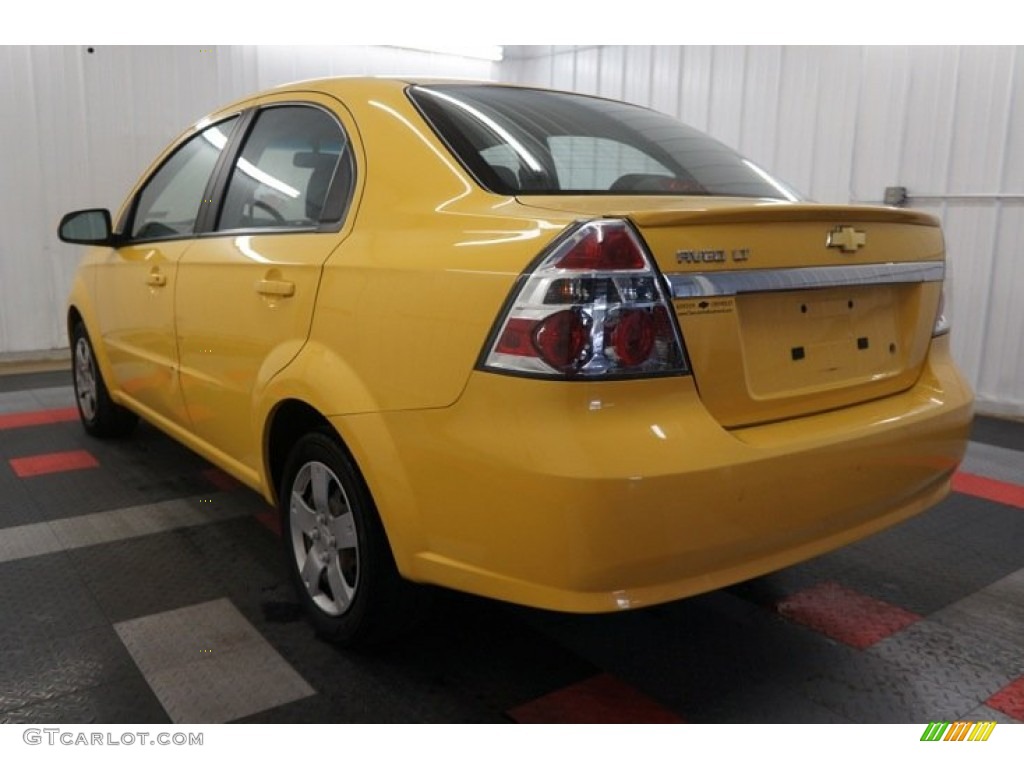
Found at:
(337, 551)
(101, 416)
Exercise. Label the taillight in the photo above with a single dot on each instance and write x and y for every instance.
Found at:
(593, 307)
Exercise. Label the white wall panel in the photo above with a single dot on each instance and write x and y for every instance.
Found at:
(638, 58)
(533, 63)
(725, 94)
(585, 68)
(979, 141)
(695, 86)
(1000, 379)
(612, 71)
(798, 112)
(77, 130)
(277, 64)
(20, 183)
(759, 132)
(665, 68)
(563, 70)
(1000, 376)
(970, 229)
(930, 114)
(881, 126)
(1013, 163)
(839, 70)
(843, 123)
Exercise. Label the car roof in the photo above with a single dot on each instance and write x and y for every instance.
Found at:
(347, 82)
(344, 87)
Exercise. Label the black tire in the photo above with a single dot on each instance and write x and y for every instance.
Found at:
(100, 415)
(337, 551)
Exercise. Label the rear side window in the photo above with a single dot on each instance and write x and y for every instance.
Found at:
(169, 204)
(521, 140)
(286, 170)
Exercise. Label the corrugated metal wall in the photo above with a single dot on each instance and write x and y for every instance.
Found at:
(843, 123)
(839, 123)
(78, 128)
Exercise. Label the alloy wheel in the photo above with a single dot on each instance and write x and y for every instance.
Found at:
(85, 380)
(323, 538)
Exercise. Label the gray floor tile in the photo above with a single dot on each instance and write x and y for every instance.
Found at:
(54, 397)
(25, 541)
(18, 402)
(994, 461)
(207, 664)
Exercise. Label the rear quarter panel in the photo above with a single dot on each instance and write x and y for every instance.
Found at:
(407, 301)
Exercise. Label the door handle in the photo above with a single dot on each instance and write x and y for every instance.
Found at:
(156, 279)
(282, 288)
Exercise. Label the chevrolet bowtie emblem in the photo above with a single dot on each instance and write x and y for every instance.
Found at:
(846, 239)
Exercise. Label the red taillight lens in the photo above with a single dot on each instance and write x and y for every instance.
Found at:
(563, 339)
(517, 338)
(594, 307)
(604, 249)
(631, 338)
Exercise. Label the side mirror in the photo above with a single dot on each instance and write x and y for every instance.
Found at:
(88, 227)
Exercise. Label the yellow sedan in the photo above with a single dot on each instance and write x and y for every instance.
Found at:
(538, 346)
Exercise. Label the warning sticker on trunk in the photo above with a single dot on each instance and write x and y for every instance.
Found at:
(708, 306)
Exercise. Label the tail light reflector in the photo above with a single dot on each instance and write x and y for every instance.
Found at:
(593, 307)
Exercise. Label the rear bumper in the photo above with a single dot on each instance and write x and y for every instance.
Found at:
(591, 497)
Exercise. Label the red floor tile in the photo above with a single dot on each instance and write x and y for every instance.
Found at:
(48, 463)
(986, 488)
(845, 615)
(1010, 699)
(35, 418)
(599, 699)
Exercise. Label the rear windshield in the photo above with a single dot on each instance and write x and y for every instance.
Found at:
(519, 140)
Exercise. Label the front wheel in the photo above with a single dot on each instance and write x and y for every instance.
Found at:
(337, 551)
(100, 415)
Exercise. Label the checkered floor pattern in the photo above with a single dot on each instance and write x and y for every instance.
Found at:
(138, 584)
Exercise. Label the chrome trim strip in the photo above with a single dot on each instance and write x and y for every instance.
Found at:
(705, 284)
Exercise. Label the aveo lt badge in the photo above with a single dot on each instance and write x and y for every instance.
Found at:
(712, 256)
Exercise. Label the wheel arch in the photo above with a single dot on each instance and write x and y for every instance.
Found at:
(299, 398)
(287, 422)
(291, 418)
(75, 315)
(80, 310)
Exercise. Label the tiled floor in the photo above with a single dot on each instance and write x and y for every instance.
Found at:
(139, 584)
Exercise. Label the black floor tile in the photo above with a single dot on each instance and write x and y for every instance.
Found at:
(43, 598)
(120, 700)
(470, 661)
(46, 669)
(16, 382)
(17, 504)
(941, 556)
(948, 656)
(866, 689)
(1005, 433)
(145, 575)
(147, 468)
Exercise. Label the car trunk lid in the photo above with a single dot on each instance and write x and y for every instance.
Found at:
(790, 309)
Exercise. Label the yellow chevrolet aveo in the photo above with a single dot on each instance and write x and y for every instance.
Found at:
(542, 347)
